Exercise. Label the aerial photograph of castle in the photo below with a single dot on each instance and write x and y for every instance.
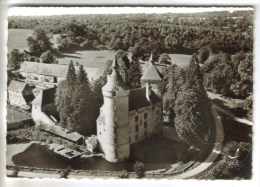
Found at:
(165, 95)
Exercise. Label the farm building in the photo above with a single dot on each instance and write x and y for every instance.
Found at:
(128, 116)
(91, 143)
(43, 107)
(20, 94)
(49, 75)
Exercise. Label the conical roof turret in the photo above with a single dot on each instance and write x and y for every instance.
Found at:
(115, 81)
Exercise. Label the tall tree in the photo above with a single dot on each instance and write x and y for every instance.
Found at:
(192, 106)
(82, 117)
(64, 94)
(134, 75)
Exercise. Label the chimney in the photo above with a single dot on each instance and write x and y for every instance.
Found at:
(148, 91)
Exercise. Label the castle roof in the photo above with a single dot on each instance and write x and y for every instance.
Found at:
(152, 74)
(137, 99)
(115, 81)
(17, 86)
(45, 97)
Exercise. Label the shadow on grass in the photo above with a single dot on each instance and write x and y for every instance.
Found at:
(238, 111)
(235, 131)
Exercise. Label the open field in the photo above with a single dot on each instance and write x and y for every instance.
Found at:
(17, 39)
(88, 58)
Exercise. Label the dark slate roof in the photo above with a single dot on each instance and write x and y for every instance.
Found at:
(17, 86)
(45, 97)
(152, 74)
(137, 99)
(29, 98)
(114, 80)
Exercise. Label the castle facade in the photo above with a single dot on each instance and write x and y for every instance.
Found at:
(128, 116)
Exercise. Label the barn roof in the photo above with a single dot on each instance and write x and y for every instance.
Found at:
(62, 132)
(56, 70)
(137, 99)
(17, 86)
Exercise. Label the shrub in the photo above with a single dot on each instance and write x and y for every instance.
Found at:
(64, 173)
(139, 169)
(123, 175)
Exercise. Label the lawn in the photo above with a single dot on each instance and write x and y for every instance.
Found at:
(180, 59)
(17, 39)
(88, 58)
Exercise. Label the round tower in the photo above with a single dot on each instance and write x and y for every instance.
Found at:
(115, 137)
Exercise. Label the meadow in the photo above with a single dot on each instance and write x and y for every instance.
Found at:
(17, 39)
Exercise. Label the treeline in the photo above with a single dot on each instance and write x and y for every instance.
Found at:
(165, 33)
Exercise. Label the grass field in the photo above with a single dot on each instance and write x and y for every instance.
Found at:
(17, 39)
(180, 59)
(88, 58)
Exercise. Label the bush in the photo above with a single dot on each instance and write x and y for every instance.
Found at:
(139, 169)
(64, 173)
(123, 175)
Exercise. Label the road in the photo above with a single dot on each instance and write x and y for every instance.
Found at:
(240, 120)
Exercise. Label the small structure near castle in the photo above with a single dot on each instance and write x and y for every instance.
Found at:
(128, 116)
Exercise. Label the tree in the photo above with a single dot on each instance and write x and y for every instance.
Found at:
(75, 103)
(134, 75)
(164, 59)
(203, 54)
(14, 59)
(64, 94)
(47, 57)
(82, 117)
(191, 107)
(39, 42)
(139, 169)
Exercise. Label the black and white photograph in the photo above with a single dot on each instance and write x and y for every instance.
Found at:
(130, 92)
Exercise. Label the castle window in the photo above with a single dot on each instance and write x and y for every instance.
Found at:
(145, 115)
(145, 134)
(136, 118)
(129, 139)
(115, 119)
(99, 133)
(136, 128)
(145, 124)
(136, 137)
